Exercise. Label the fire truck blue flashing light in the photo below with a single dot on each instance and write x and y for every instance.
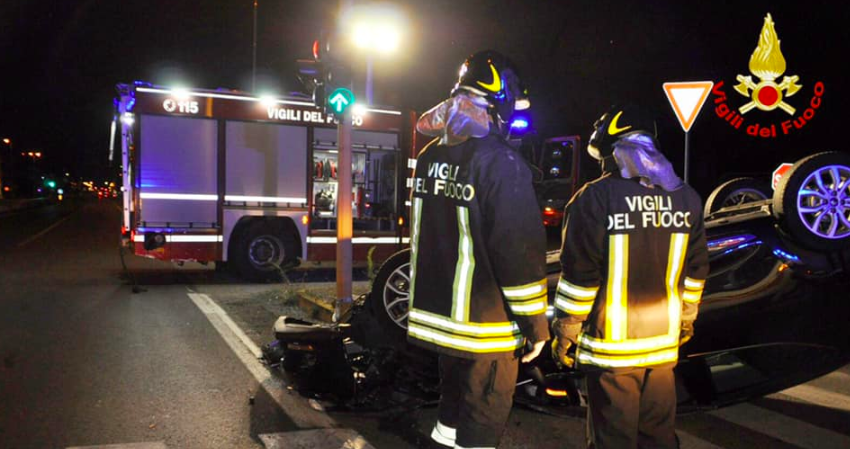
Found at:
(519, 124)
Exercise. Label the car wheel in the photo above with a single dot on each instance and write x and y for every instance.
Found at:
(262, 251)
(734, 192)
(812, 201)
(389, 299)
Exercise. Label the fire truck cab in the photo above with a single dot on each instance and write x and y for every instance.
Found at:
(226, 176)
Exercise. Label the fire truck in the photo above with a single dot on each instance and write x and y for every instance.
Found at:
(227, 176)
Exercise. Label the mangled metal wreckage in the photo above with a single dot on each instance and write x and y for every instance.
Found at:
(774, 312)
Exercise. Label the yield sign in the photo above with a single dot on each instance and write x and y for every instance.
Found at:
(687, 100)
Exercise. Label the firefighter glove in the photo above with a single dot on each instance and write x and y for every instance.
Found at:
(686, 333)
(566, 335)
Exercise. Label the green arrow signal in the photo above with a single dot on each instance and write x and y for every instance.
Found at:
(340, 99)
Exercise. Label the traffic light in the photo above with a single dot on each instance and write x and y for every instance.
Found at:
(337, 66)
(311, 73)
(326, 72)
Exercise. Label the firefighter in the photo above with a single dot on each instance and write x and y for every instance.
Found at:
(634, 261)
(478, 293)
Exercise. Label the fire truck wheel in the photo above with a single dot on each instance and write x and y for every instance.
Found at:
(390, 297)
(812, 201)
(263, 250)
(736, 191)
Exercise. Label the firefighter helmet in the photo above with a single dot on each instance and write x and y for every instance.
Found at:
(618, 122)
(493, 76)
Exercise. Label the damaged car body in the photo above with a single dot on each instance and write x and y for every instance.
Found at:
(773, 313)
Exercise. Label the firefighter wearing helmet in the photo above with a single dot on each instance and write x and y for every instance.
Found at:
(634, 261)
(478, 248)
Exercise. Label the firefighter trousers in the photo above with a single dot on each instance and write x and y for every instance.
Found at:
(631, 408)
(475, 401)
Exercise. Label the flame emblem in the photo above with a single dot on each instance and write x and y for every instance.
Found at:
(767, 64)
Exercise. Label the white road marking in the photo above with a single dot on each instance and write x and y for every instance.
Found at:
(209, 307)
(782, 427)
(819, 396)
(688, 441)
(319, 438)
(45, 231)
(294, 406)
(153, 445)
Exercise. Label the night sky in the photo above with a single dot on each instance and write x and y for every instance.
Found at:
(60, 61)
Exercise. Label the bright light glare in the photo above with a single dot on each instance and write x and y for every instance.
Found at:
(180, 93)
(522, 104)
(128, 119)
(359, 109)
(268, 100)
(376, 28)
(383, 38)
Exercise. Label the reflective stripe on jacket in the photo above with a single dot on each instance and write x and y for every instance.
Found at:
(634, 262)
(478, 286)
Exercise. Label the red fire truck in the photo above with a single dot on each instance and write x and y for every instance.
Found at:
(226, 176)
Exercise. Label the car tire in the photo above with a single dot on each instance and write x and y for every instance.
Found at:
(389, 299)
(812, 201)
(263, 251)
(734, 192)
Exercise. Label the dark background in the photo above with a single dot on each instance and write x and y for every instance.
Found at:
(61, 59)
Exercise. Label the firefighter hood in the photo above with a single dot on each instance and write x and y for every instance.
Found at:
(456, 119)
(637, 157)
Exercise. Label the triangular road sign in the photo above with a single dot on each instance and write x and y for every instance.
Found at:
(687, 99)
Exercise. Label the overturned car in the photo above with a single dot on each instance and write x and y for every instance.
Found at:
(774, 311)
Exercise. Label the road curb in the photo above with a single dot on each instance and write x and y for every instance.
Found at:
(321, 308)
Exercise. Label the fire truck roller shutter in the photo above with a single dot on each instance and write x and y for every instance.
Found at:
(262, 248)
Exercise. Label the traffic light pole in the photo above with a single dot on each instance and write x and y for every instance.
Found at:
(344, 224)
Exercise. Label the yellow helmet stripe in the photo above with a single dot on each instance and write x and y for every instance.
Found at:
(496, 84)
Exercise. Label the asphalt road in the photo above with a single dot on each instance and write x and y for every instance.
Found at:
(88, 362)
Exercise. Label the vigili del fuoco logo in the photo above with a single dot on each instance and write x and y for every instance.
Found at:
(763, 90)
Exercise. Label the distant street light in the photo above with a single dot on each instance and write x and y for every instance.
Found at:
(3, 188)
(375, 29)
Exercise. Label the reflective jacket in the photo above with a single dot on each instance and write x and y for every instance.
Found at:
(634, 262)
(478, 286)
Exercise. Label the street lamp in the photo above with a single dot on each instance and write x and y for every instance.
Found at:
(375, 29)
